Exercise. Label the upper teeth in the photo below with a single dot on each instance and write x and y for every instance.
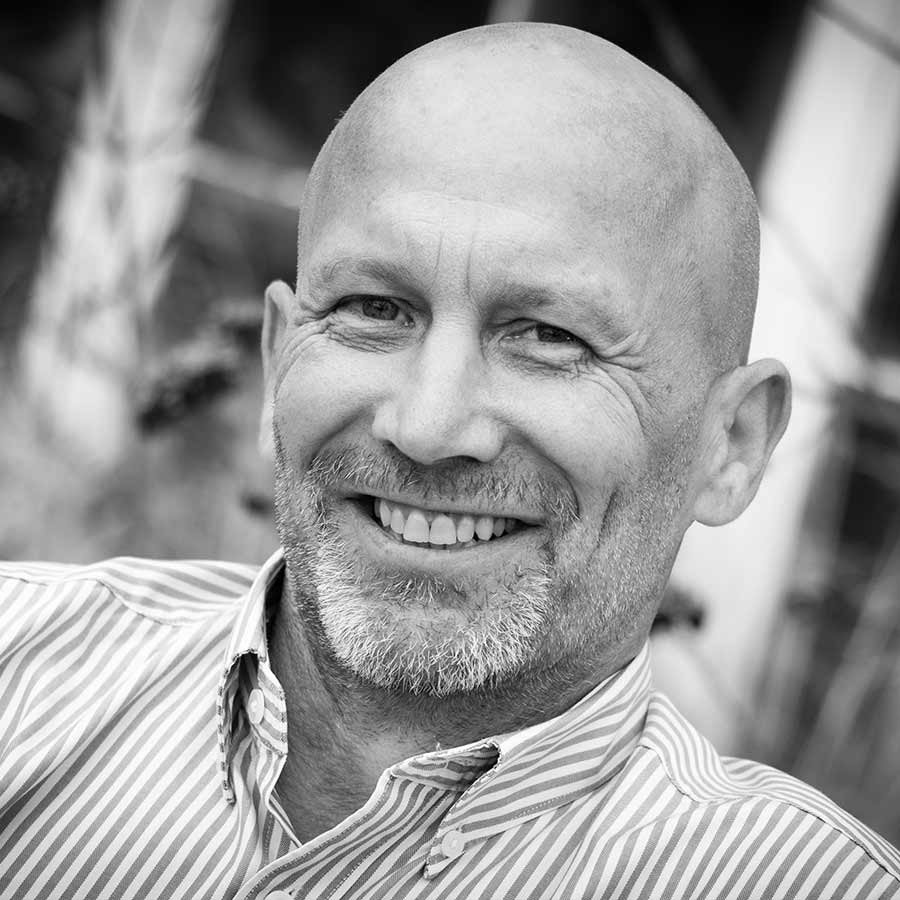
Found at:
(426, 526)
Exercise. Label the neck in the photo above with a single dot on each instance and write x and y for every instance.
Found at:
(351, 731)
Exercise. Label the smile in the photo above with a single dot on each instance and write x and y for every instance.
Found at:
(436, 529)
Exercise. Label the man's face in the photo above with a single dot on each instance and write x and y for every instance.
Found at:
(483, 430)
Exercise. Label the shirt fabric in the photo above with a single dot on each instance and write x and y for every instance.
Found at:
(142, 733)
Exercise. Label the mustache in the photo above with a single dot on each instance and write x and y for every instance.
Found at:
(390, 472)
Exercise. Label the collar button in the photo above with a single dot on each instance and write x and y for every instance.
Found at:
(256, 706)
(453, 844)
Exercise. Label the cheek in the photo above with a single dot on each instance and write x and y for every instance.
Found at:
(323, 391)
(590, 436)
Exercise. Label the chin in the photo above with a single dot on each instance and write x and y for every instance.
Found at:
(420, 635)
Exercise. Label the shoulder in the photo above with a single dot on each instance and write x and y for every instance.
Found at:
(753, 797)
(167, 592)
(97, 659)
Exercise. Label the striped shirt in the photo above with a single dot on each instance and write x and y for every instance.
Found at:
(142, 733)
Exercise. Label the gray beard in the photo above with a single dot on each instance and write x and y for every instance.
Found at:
(406, 632)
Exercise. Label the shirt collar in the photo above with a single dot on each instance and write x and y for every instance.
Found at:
(552, 763)
(248, 639)
(605, 709)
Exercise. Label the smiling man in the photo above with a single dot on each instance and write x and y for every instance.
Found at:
(512, 373)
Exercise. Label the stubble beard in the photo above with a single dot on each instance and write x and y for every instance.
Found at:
(405, 631)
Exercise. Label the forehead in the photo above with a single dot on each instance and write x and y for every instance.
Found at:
(424, 225)
(432, 240)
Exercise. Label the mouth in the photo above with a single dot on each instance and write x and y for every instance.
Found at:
(439, 529)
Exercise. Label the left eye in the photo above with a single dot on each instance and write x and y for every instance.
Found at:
(546, 343)
(542, 333)
(549, 334)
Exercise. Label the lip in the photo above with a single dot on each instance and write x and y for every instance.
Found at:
(451, 507)
(486, 556)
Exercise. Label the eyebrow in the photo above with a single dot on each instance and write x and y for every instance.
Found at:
(330, 270)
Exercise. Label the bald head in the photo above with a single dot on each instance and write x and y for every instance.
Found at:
(545, 110)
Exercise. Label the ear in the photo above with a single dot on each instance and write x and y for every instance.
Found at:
(746, 416)
(278, 303)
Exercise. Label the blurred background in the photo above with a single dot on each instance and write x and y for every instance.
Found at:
(152, 153)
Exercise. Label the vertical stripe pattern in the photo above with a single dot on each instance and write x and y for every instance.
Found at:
(131, 769)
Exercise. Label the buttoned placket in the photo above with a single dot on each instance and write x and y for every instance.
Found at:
(287, 873)
(266, 711)
(250, 684)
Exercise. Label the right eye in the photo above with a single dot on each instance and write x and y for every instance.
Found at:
(372, 307)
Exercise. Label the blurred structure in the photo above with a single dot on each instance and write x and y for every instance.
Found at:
(832, 685)
(164, 197)
(119, 200)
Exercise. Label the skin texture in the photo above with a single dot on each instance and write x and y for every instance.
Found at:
(527, 271)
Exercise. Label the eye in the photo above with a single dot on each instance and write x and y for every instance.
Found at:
(549, 334)
(542, 333)
(366, 306)
(545, 343)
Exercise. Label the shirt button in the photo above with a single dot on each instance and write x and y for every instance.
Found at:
(452, 844)
(279, 895)
(256, 708)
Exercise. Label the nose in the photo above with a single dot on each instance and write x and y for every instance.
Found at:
(439, 407)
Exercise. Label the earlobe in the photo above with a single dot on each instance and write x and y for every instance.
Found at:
(278, 302)
(746, 418)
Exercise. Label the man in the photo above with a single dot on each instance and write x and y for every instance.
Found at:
(512, 373)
